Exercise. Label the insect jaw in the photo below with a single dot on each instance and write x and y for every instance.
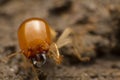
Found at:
(39, 60)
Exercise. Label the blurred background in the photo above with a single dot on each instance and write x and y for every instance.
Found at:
(97, 28)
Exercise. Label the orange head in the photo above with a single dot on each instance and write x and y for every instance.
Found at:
(34, 37)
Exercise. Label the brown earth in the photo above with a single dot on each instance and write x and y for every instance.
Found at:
(97, 27)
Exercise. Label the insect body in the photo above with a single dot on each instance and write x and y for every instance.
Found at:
(36, 41)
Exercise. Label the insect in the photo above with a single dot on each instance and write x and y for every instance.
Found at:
(37, 41)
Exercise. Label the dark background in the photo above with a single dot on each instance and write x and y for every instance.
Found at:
(97, 26)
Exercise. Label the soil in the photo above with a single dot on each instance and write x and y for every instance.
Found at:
(96, 24)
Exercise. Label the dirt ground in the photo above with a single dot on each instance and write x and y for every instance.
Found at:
(96, 24)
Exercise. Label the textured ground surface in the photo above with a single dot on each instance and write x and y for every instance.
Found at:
(97, 27)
